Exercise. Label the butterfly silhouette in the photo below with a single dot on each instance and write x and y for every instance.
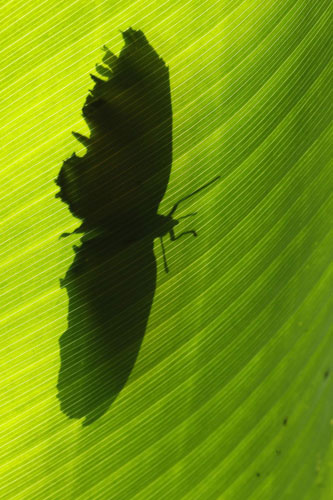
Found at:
(115, 190)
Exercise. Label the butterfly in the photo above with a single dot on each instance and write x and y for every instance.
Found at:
(115, 190)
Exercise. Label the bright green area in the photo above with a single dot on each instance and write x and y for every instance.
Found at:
(240, 333)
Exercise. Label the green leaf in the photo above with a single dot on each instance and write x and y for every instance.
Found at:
(231, 394)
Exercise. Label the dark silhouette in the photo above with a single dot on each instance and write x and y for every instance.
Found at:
(111, 288)
(115, 189)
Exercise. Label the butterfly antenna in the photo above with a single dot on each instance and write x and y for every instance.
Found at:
(164, 256)
(174, 208)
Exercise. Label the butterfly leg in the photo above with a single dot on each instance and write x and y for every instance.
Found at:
(173, 237)
(78, 230)
(187, 215)
(166, 268)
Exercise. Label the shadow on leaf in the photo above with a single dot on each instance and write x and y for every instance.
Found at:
(115, 189)
(110, 289)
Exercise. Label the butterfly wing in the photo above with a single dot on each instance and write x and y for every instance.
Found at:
(124, 174)
(110, 289)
